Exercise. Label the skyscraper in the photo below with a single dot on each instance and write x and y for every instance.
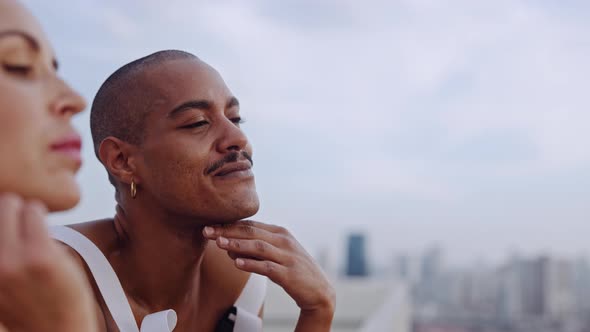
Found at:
(356, 264)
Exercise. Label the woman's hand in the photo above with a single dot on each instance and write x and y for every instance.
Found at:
(272, 251)
(41, 288)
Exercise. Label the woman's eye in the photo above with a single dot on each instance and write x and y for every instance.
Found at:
(196, 124)
(21, 70)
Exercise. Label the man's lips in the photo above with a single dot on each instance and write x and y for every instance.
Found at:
(234, 167)
(69, 145)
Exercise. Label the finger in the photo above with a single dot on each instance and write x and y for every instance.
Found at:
(238, 230)
(232, 255)
(37, 247)
(10, 209)
(3, 328)
(268, 227)
(272, 270)
(33, 228)
(257, 249)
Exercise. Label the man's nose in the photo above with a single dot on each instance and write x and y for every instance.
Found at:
(232, 138)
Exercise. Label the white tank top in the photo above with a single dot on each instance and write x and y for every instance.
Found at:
(243, 316)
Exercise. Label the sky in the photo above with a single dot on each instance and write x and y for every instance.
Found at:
(462, 124)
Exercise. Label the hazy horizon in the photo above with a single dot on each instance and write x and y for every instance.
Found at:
(463, 125)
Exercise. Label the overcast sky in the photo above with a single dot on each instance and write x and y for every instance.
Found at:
(416, 122)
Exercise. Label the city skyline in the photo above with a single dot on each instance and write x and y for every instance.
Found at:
(463, 124)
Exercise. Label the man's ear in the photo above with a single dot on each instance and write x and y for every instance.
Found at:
(116, 156)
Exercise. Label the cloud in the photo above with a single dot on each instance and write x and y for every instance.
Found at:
(429, 105)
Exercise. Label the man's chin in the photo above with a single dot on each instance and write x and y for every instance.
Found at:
(244, 211)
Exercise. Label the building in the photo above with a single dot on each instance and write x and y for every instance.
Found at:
(432, 263)
(406, 268)
(356, 263)
(362, 305)
(537, 288)
(559, 289)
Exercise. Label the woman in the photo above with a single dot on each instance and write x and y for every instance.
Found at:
(41, 288)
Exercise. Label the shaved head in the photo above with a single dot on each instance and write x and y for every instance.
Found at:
(125, 98)
(169, 125)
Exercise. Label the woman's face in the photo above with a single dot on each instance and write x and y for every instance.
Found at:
(39, 149)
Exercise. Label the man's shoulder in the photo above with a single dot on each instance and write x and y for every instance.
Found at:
(95, 229)
(100, 232)
(87, 229)
(219, 267)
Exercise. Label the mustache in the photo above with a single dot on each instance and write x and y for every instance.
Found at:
(229, 158)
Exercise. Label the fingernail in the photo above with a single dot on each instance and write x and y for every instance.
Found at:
(223, 241)
(240, 262)
(38, 207)
(209, 231)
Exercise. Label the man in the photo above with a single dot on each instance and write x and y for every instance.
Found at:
(167, 130)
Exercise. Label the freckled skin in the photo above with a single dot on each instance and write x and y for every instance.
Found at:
(174, 160)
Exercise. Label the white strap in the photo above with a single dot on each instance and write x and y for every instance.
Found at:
(104, 275)
(247, 321)
(161, 321)
(253, 294)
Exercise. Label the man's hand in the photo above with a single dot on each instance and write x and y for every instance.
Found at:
(41, 288)
(272, 251)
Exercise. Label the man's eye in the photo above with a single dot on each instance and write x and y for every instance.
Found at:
(237, 120)
(196, 124)
(17, 69)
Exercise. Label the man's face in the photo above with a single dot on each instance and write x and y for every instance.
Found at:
(194, 158)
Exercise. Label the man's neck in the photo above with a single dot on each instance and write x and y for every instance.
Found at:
(159, 257)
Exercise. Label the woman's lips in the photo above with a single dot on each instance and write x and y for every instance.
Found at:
(69, 146)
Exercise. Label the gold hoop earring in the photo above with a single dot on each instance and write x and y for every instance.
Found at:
(133, 189)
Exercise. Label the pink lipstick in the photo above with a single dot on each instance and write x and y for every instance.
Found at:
(69, 146)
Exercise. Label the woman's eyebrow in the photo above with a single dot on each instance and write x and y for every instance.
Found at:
(33, 43)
